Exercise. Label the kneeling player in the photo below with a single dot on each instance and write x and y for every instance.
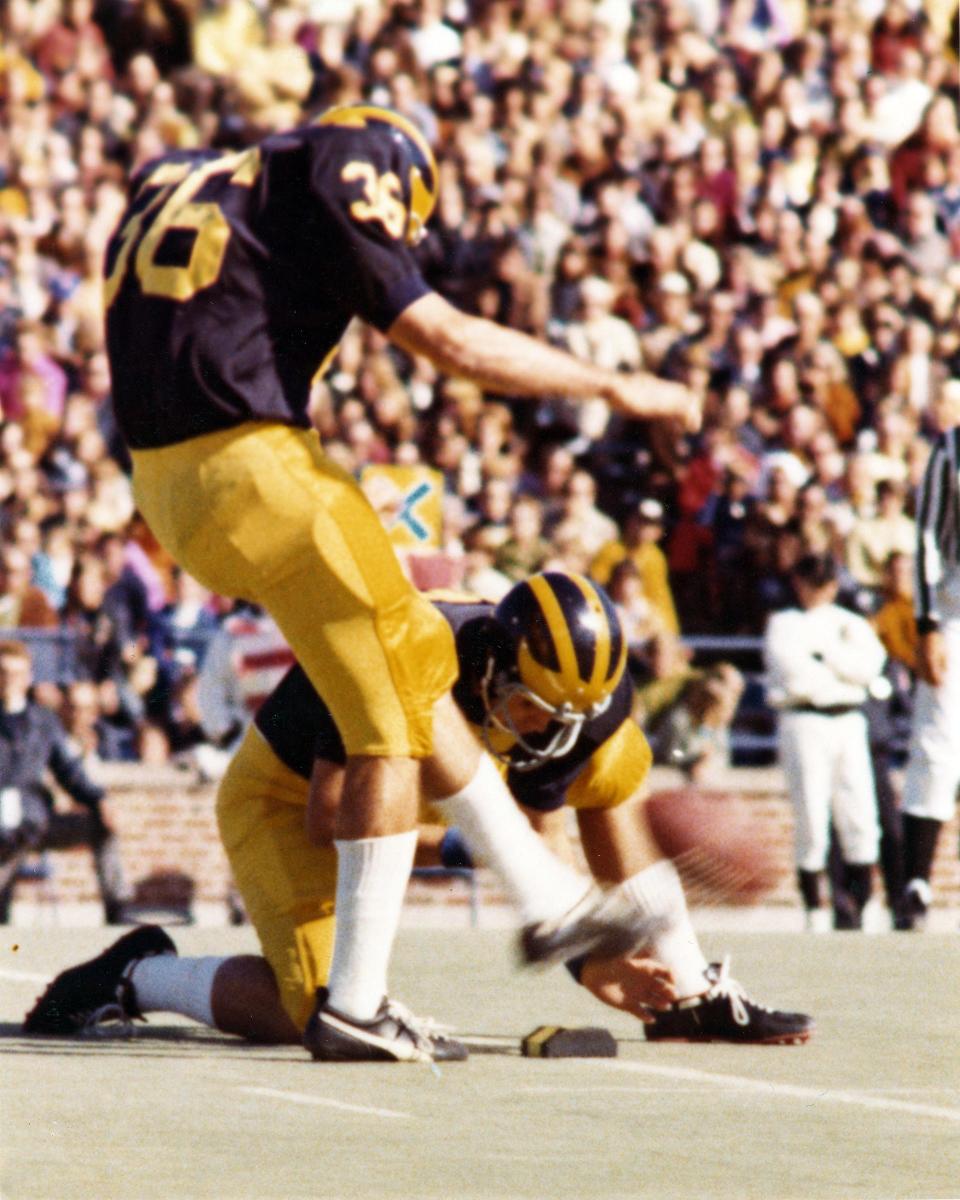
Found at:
(536, 683)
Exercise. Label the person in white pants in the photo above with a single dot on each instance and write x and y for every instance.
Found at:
(821, 661)
(933, 766)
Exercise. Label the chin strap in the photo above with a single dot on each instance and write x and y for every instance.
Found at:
(496, 691)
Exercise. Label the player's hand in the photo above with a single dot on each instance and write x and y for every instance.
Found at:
(647, 397)
(634, 985)
(932, 658)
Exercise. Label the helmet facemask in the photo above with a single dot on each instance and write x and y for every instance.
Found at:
(497, 689)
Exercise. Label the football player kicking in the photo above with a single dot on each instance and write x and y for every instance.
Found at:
(229, 283)
(542, 684)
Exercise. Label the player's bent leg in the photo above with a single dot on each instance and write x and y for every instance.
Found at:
(288, 885)
(246, 1001)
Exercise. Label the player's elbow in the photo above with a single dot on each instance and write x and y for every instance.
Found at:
(434, 329)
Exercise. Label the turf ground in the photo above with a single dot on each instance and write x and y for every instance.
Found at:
(870, 1108)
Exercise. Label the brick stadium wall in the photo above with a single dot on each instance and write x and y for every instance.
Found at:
(165, 822)
(172, 855)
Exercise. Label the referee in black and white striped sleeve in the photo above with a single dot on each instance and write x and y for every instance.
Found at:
(933, 767)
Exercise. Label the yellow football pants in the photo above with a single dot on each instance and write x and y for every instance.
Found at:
(259, 512)
(287, 884)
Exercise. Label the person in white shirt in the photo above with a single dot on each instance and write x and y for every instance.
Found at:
(822, 662)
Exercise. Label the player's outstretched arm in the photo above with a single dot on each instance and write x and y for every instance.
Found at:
(504, 360)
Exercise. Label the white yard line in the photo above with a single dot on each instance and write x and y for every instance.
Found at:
(809, 1095)
(324, 1102)
(24, 976)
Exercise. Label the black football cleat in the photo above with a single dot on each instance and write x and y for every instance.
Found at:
(911, 913)
(95, 991)
(606, 923)
(393, 1034)
(724, 1013)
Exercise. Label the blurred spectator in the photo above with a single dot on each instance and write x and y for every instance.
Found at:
(23, 605)
(692, 730)
(927, 250)
(551, 481)
(273, 77)
(103, 640)
(873, 539)
(894, 618)
(480, 576)
(494, 507)
(33, 742)
(92, 734)
(674, 320)
(638, 618)
(642, 530)
(126, 591)
(525, 550)
(580, 521)
(53, 562)
(183, 722)
(184, 626)
(33, 386)
(74, 42)
(913, 373)
(223, 32)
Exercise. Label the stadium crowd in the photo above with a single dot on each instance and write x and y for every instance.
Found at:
(758, 197)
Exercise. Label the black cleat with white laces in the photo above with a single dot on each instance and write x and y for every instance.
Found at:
(724, 1013)
(97, 991)
(393, 1034)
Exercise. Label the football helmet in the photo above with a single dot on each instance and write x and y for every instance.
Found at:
(562, 649)
(423, 178)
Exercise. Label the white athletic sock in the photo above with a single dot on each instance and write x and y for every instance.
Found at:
(372, 876)
(657, 891)
(165, 983)
(501, 837)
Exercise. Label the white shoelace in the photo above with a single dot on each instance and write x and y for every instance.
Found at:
(730, 989)
(110, 1020)
(424, 1030)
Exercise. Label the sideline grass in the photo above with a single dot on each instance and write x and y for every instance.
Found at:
(868, 1110)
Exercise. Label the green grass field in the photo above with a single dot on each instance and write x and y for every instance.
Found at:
(870, 1108)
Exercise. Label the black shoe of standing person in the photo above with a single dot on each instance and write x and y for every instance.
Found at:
(913, 909)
